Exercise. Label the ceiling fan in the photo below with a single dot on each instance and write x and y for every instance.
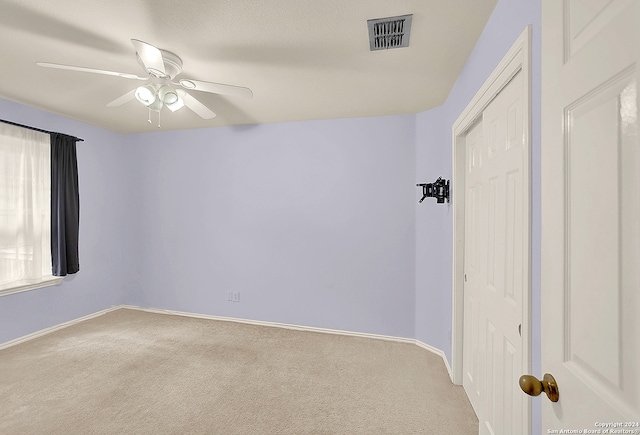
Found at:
(162, 67)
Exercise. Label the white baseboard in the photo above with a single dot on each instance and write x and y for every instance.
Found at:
(438, 352)
(51, 329)
(273, 324)
(420, 344)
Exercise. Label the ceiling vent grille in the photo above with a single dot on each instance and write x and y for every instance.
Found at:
(387, 33)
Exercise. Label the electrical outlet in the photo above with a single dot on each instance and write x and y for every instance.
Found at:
(236, 296)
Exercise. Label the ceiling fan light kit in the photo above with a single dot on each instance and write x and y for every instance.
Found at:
(145, 94)
(178, 104)
(162, 67)
(167, 94)
(156, 105)
(154, 98)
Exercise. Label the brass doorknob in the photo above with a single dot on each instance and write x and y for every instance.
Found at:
(533, 387)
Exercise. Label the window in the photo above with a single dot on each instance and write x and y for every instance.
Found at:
(25, 203)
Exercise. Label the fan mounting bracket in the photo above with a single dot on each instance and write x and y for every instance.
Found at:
(172, 65)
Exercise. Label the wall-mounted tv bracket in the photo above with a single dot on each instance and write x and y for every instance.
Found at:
(438, 189)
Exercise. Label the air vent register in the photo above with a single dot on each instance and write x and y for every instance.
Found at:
(388, 33)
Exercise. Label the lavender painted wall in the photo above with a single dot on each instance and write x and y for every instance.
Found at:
(312, 222)
(106, 238)
(433, 222)
(433, 159)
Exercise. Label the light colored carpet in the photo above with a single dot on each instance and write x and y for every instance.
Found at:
(134, 372)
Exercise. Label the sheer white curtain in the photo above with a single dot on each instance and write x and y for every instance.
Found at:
(25, 195)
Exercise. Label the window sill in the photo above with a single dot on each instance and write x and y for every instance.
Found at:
(54, 280)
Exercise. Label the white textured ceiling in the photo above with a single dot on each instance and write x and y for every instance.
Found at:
(303, 59)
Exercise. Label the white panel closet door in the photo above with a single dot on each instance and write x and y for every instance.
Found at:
(495, 235)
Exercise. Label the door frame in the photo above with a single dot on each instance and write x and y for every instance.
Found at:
(517, 59)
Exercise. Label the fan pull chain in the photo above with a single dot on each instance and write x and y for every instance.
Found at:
(158, 118)
(149, 120)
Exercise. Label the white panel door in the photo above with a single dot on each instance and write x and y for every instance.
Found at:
(473, 366)
(495, 235)
(590, 214)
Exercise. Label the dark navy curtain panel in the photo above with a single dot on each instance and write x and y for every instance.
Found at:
(65, 205)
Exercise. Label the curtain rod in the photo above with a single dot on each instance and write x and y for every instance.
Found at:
(39, 129)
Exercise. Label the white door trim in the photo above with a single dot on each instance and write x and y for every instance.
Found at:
(516, 60)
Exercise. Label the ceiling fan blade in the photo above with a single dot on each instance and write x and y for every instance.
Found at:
(195, 105)
(216, 88)
(151, 57)
(123, 99)
(90, 70)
